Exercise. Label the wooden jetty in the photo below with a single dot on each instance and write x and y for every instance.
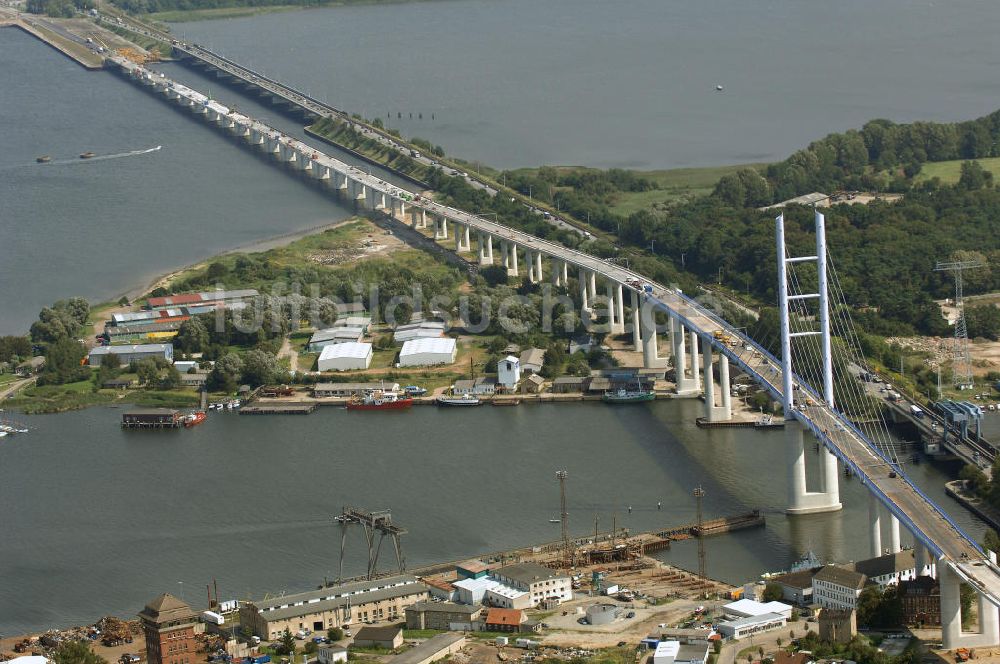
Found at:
(278, 409)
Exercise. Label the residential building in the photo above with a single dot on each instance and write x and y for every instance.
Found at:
(796, 587)
(350, 389)
(427, 352)
(485, 386)
(837, 625)
(330, 654)
(744, 627)
(509, 372)
(442, 615)
(921, 600)
(748, 608)
(320, 339)
(435, 648)
(532, 360)
(118, 383)
(168, 625)
(532, 384)
(337, 606)
(345, 357)
(463, 386)
(540, 582)
(389, 637)
(503, 620)
(890, 569)
(129, 354)
(837, 587)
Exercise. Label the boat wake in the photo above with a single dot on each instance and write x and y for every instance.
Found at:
(104, 157)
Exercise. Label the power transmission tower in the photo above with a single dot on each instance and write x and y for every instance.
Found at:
(961, 368)
(699, 493)
(561, 475)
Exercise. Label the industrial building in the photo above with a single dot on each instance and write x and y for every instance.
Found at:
(364, 322)
(345, 357)
(796, 587)
(168, 625)
(331, 654)
(426, 329)
(675, 652)
(425, 352)
(389, 637)
(744, 627)
(748, 608)
(509, 372)
(319, 610)
(890, 569)
(351, 389)
(435, 648)
(569, 384)
(211, 297)
(128, 354)
(540, 582)
(442, 615)
(532, 359)
(602, 614)
(485, 590)
(482, 386)
(335, 335)
(837, 587)
(142, 331)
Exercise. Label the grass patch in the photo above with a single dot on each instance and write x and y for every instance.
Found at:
(950, 171)
(59, 398)
(677, 184)
(162, 49)
(181, 15)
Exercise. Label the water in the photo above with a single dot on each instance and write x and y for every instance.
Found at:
(523, 83)
(99, 520)
(97, 228)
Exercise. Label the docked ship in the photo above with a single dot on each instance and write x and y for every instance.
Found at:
(628, 396)
(380, 400)
(195, 418)
(464, 400)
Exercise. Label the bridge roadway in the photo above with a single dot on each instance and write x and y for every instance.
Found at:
(890, 485)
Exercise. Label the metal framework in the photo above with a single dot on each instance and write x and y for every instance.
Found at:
(561, 475)
(699, 493)
(375, 525)
(961, 366)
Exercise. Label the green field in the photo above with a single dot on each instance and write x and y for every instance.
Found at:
(182, 15)
(676, 184)
(949, 171)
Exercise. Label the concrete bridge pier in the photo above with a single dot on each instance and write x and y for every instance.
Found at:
(952, 635)
(505, 255)
(380, 201)
(636, 330)
(565, 274)
(273, 145)
(684, 384)
(485, 253)
(240, 129)
(650, 352)
(695, 357)
(415, 218)
(440, 228)
(800, 500)
(340, 181)
(722, 412)
(255, 137)
(612, 321)
(592, 285)
(923, 561)
(513, 271)
(894, 546)
(321, 173)
(557, 272)
(618, 300)
(303, 161)
(875, 521)
(538, 267)
(584, 293)
(489, 248)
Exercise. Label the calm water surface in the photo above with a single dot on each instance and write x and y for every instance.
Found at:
(98, 520)
(631, 84)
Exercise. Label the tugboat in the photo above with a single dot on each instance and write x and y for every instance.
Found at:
(464, 400)
(87, 155)
(380, 400)
(195, 418)
(628, 396)
(44, 159)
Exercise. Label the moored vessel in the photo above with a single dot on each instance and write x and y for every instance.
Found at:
(628, 396)
(464, 400)
(379, 400)
(195, 418)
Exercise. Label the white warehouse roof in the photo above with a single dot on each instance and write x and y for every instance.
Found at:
(137, 348)
(351, 349)
(750, 608)
(442, 345)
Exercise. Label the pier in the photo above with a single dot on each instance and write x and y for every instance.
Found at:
(278, 409)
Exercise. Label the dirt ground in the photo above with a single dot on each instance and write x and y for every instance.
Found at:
(985, 354)
(112, 655)
(375, 243)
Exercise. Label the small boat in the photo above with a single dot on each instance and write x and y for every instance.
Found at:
(628, 396)
(464, 400)
(195, 418)
(718, 88)
(44, 159)
(414, 391)
(380, 400)
(555, 520)
(87, 155)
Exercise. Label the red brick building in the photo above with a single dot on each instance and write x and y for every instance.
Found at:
(921, 600)
(168, 624)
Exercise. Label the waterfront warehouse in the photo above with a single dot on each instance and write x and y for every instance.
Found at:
(427, 351)
(128, 354)
(345, 356)
(336, 606)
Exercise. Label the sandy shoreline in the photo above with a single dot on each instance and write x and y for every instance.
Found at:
(264, 244)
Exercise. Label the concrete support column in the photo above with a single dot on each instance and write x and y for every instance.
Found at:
(489, 248)
(636, 334)
(695, 369)
(584, 290)
(592, 285)
(466, 238)
(619, 310)
(894, 546)
(565, 274)
(874, 519)
(440, 228)
(709, 383)
(458, 238)
(989, 622)
(796, 465)
(951, 608)
(612, 321)
(650, 353)
(414, 219)
(725, 386)
(831, 477)
(513, 260)
(505, 254)
(538, 267)
(921, 559)
(423, 218)
(557, 272)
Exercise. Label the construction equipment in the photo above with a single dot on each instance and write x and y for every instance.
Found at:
(561, 475)
(371, 523)
(699, 493)
(138, 57)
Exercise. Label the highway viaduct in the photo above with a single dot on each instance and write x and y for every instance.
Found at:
(698, 339)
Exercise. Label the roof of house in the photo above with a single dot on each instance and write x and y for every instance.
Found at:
(532, 356)
(568, 380)
(841, 576)
(504, 617)
(690, 652)
(473, 565)
(352, 349)
(892, 563)
(443, 345)
(536, 379)
(753, 620)
(802, 579)
(136, 348)
(464, 384)
(528, 573)
(385, 633)
(443, 607)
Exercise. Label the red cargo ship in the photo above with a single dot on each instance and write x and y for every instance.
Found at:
(380, 400)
